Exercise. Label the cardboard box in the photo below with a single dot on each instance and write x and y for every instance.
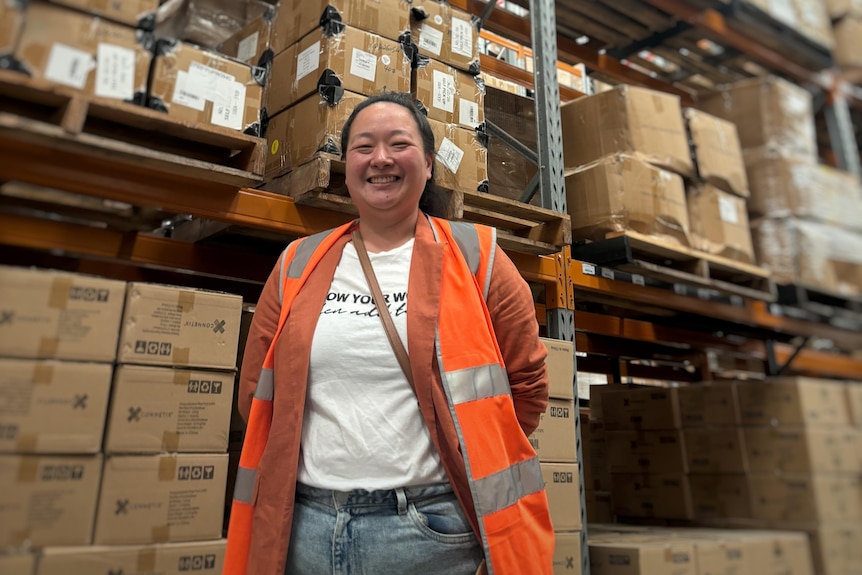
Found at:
(854, 401)
(715, 450)
(251, 44)
(719, 223)
(297, 18)
(717, 154)
(563, 488)
(183, 327)
(620, 193)
(814, 22)
(52, 406)
(554, 438)
(600, 508)
(839, 9)
(626, 120)
(664, 495)
(834, 545)
(445, 33)
(297, 134)
(509, 172)
(140, 13)
(641, 408)
(812, 254)
(158, 409)
(720, 495)
(48, 500)
(461, 163)
(449, 95)
(159, 498)
(819, 497)
(846, 54)
(646, 451)
(595, 453)
(793, 401)
(561, 367)
(708, 404)
(342, 56)
(83, 52)
(801, 450)
(649, 557)
(767, 111)
(17, 564)
(11, 25)
(567, 553)
(204, 557)
(196, 85)
(52, 314)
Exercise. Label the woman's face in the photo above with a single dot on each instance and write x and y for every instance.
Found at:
(386, 167)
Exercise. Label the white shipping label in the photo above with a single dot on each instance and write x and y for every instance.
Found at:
(430, 39)
(207, 81)
(307, 61)
(727, 210)
(462, 37)
(247, 48)
(784, 11)
(69, 66)
(229, 109)
(186, 97)
(450, 155)
(364, 65)
(115, 72)
(443, 92)
(468, 113)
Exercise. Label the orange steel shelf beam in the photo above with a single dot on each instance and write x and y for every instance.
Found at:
(820, 363)
(521, 77)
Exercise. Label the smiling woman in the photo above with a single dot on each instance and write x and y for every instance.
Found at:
(359, 457)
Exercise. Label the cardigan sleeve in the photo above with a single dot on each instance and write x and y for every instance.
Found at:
(513, 314)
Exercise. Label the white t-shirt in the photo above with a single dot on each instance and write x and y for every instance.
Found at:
(362, 427)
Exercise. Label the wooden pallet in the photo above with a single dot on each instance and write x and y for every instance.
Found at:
(659, 259)
(521, 227)
(126, 128)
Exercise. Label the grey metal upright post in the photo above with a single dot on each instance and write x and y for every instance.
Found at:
(561, 322)
(841, 134)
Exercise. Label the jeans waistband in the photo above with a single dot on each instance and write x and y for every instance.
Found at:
(382, 497)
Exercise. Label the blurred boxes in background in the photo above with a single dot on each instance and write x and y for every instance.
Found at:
(461, 163)
(11, 25)
(252, 44)
(17, 564)
(719, 223)
(448, 94)
(164, 558)
(446, 34)
(136, 13)
(717, 153)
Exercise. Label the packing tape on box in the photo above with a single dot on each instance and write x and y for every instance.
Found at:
(48, 347)
(181, 355)
(161, 535)
(27, 443)
(170, 441)
(186, 301)
(147, 560)
(167, 468)
(28, 470)
(182, 377)
(59, 294)
(43, 373)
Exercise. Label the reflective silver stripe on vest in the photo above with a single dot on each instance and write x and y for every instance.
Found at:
(265, 385)
(467, 238)
(281, 276)
(477, 383)
(504, 488)
(492, 253)
(243, 489)
(303, 254)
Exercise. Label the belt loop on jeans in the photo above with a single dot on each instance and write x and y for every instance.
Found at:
(401, 497)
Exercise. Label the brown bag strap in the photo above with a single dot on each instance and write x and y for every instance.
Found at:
(382, 310)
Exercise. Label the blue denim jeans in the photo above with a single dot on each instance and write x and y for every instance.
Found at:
(409, 531)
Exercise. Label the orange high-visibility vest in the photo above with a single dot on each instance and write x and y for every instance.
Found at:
(502, 468)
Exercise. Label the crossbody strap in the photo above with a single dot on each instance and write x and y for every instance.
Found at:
(382, 310)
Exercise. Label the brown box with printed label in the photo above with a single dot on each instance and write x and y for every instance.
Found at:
(163, 558)
(448, 94)
(158, 409)
(646, 451)
(563, 488)
(720, 495)
(554, 438)
(252, 43)
(52, 406)
(664, 495)
(461, 162)
(445, 33)
(567, 553)
(160, 498)
(561, 367)
(205, 87)
(715, 450)
(707, 404)
(183, 327)
(717, 153)
(793, 401)
(131, 12)
(48, 500)
(719, 223)
(57, 315)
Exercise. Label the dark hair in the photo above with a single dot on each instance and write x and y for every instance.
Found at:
(433, 201)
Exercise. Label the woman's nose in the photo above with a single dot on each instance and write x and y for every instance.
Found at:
(381, 156)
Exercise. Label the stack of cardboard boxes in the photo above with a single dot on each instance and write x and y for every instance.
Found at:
(114, 465)
(846, 16)
(808, 17)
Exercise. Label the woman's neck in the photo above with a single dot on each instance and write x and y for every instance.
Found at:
(381, 237)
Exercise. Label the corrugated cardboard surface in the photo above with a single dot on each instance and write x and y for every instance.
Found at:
(854, 401)
(248, 44)
(17, 564)
(561, 367)
(664, 495)
(767, 111)
(719, 223)
(802, 449)
(812, 497)
(626, 120)
(720, 495)
(310, 126)
(562, 486)
(715, 450)
(205, 557)
(848, 42)
(51, 314)
(567, 553)
(83, 52)
(48, 500)
(717, 152)
(296, 18)
(554, 438)
(445, 33)
(204, 87)
(11, 24)
(834, 545)
(166, 325)
(640, 408)
(161, 498)
(461, 163)
(621, 193)
(52, 406)
(450, 95)
(160, 409)
(646, 451)
(708, 404)
(363, 62)
(793, 401)
(126, 12)
(612, 556)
